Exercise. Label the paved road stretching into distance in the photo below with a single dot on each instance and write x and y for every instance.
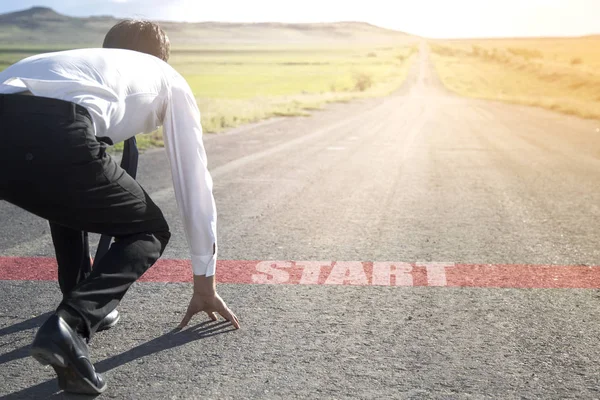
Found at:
(507, 197)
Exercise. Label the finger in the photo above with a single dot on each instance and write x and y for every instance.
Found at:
(229, 316)
(211, 315)
(237, 322)
(186, 319)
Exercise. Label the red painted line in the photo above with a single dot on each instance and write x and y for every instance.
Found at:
(343, 273)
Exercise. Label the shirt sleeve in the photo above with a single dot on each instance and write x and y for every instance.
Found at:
(182, 133)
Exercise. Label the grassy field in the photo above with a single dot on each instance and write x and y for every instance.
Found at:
(241, 84)
(238, 86)
(558, 74)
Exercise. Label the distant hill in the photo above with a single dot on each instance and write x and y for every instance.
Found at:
(42, 26)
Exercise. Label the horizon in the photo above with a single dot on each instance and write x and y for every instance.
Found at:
(538, 18)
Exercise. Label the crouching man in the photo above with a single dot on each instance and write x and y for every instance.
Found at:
(58, 113)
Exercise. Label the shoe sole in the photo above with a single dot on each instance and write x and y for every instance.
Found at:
(69, 379)
(107, 327)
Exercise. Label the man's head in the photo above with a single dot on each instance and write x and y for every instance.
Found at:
(139, 35)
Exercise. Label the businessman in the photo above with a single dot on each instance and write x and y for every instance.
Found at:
(58, 113)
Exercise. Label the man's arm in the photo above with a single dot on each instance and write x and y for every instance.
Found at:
(192, 183)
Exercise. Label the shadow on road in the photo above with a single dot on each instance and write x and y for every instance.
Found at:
(21, 352)
(31, 323)
(169, 340)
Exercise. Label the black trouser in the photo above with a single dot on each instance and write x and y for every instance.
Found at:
(52, 165)
(72, 250)
(72, 247)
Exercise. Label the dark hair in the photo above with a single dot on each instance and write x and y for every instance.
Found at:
(139, 35)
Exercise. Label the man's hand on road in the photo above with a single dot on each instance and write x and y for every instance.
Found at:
(210, 304)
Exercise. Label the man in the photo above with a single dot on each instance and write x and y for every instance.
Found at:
(71, 245)
(58, 113)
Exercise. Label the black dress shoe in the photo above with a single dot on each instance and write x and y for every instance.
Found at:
(109, 321)
(58, 345)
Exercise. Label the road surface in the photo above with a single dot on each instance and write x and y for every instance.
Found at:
(507, 197)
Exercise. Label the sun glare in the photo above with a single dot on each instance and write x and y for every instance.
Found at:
(431, 18)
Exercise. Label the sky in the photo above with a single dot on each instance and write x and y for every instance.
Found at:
(429, 18)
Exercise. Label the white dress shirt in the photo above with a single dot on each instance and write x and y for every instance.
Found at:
(127, 93)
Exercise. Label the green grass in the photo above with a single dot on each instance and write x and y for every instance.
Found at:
(238, 85)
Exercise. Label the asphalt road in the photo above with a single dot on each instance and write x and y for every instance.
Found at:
(421, 175)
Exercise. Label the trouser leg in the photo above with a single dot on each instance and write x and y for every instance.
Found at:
(72, 250)
(72, 246)
(100, 293)
(118, 207)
